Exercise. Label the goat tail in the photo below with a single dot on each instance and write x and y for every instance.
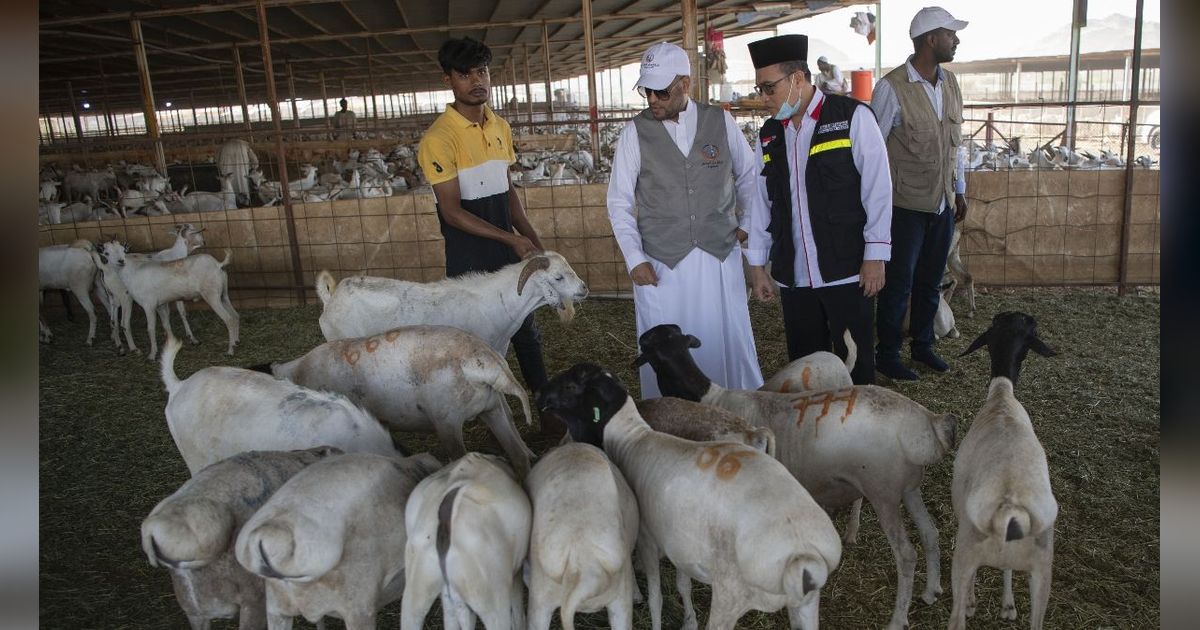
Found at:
(575, 592)
(170, 349)
(228, 257)
(1012, 520)
(445, 518)
(851, 350)
(326, 285)
(803, 574)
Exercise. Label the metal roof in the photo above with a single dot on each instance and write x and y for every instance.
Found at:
(391, 44)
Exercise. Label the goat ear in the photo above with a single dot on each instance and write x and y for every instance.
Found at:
(640, 361)
(693, 341)
(978, 343)
(1040, 347)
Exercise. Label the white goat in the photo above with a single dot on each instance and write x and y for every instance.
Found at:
(202, 201)
(468, 534)
(191, 533)
(958, 271)
(154, 285)
(491, 306)
(723, 513)
(874, 443)
(420, 378)
(68, 267)
(331, 541)
(48, 191)
(218, 412)
(585, 525)
(1001, 490)
(135, 200)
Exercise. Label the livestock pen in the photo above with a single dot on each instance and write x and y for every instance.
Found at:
(106, 458)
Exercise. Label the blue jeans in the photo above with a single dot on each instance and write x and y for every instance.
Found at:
(920, 244)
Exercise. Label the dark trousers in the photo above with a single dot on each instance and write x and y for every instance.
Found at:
(527, 344)
(920, 244)
(815, 319)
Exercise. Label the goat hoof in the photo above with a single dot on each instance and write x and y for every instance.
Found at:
(1008, 612)
(195, 342)
(929, 597)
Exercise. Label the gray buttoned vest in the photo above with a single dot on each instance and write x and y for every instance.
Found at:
(685, 202)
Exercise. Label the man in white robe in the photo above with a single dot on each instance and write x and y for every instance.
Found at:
(236, 158)
(678, 167)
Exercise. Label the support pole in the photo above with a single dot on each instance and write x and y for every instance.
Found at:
(1078, 21)
(528, 87)
(292, 96)
(589, 49)
(689, 43)
(75, 112)
(241, 87)
(1130, 149)
(546, 62)
(371, 86)
(324, 99)
(281, 157)
(109, 123)
(139, 51)
(878, 41)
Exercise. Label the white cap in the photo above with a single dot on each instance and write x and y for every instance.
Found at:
(822, 59)
(661, 64)
(930, 18)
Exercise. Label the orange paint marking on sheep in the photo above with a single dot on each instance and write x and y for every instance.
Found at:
(826, 400)
(727, 465)
(806, 377)
(372, 344)
(391, 335)
(351, 356)
(786, 387)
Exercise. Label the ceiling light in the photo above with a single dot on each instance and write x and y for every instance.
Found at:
(87, 105)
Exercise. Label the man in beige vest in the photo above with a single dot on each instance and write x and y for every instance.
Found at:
(919, 109)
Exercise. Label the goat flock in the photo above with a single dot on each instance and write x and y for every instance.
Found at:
(301, 502)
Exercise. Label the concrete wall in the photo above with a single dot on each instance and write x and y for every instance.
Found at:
(1024, 227)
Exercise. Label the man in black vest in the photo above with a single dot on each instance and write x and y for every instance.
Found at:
(827, 232)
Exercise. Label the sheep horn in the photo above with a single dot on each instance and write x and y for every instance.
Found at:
(537, 263)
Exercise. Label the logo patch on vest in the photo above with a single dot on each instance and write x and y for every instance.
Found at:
(711, 155)
(840, 125)
(767, 140)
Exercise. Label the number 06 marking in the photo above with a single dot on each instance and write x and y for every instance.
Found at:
(727, 464)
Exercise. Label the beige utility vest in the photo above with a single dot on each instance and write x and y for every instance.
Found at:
(922, 150)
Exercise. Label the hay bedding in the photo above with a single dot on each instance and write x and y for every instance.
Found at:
(106, 458)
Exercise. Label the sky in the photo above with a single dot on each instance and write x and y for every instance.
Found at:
(1006, 28)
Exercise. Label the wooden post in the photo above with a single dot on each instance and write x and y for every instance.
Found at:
(528, 87)
(292, 96)
(1134, 98)
(546, 62)
(589, 50)
(325, 100)
(281, 157)
(241, 87)
(689, 42)
(75, 112)
(139, 51)
(109, 123)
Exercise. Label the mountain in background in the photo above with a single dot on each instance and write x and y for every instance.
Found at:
(1114, 32)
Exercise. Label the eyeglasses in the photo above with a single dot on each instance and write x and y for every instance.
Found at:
(661, 95)
(768, 89)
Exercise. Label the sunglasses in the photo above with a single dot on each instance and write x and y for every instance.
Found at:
(768, 88)
(661, 95)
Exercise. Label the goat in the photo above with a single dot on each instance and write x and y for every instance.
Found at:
(68, 267)
(468, 534)
(585, 524)
(420, 378)
(202, 201)
(958, 270)
(331, 541)
(218, 412)
(191, 533)
(48, 191)
(723, 513)
(154, 285)
(483, 304)
(1001, 489)
(876, 448)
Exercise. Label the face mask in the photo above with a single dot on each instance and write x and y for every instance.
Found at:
(787, 110)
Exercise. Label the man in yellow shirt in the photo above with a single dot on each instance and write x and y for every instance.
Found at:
(465, 155)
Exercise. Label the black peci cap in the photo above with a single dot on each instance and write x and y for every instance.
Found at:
(773, 50)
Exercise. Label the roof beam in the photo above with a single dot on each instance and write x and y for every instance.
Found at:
(158, 13)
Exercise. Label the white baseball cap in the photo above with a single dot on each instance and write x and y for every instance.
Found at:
(930, 18)
(822, 59)
(661, 64)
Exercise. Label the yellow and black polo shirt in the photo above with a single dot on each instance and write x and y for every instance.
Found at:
(478, 155)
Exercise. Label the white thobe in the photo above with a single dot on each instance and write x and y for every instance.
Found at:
(236, 157)
(704, 295)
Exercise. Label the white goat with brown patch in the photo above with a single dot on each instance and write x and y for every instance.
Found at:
(191, 534)
(1001, 490)
(331, 541)
(468, 534)
(585, 525)
(723, 513)
(491, 306)
(860, 442)
(420, 378)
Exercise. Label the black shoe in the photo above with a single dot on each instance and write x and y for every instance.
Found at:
(931, 360)
(895, 370)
